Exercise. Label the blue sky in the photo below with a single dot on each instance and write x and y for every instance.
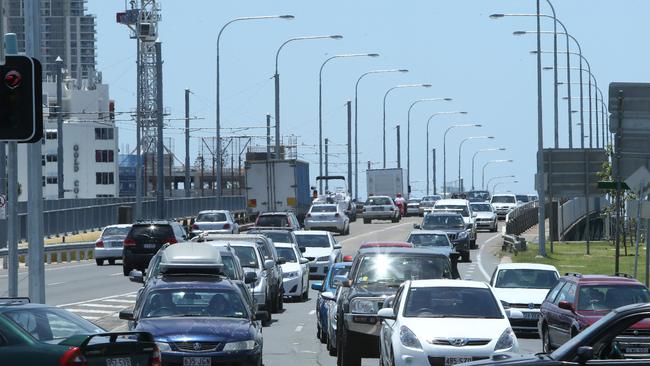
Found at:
(451, 44)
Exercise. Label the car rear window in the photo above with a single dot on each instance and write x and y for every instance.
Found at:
(443, 221)
(211, 217)
(451, 302)
(323, 208)
(114, 231)
(272, 221)
(159, 232)
(278, 236)
(313, 241)
(378, 201)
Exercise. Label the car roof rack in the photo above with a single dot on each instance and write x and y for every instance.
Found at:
(14, 300)
(574, 274)
(621, 274)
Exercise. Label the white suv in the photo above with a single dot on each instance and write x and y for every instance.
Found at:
(503, 204)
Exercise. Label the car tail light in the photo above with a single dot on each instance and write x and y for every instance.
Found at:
(226, 226)
(156, 359)
(195, 227)
(99, 244)
(129, 242)
(171, 240)
(73, 357)
(347, 258)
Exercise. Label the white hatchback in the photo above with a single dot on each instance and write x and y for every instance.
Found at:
(443, 322)
(295, 271)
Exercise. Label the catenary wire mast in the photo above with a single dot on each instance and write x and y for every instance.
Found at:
(142, 19)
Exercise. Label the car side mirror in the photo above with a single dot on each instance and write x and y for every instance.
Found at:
(281, 260)
(514, 314)
(417, 226)
(302, 249)
(136, 276)
(250, 277)
(565, 305)
(338, 246)
(388, 302)
(317, 285)
(585, 353)
(474, 214)
(127, 314)
(328, 296)
(386, 313)
(303, 261)
(269, 264)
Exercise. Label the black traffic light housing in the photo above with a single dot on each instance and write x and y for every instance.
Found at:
(21, 100)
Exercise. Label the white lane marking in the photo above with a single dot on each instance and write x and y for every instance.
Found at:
(312, 312)
(91, 317)
(299, 328)
(90, 311)
(103, 306)
(55, 283)
(480, 255)
(128, 294)
(117, 274)
(120, 301)
(377, 231)
(53, 269)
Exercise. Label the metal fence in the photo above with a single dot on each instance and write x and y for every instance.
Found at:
(67, 217)
(522, 218)
(574, 210)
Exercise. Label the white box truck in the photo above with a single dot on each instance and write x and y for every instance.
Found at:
(387, 182)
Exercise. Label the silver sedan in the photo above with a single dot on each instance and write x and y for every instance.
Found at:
(110, 244)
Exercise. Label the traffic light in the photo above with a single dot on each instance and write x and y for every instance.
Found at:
(21, 96)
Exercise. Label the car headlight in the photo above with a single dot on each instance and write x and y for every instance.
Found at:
(462, 235)
(408, 338)
(163, 347)
(363, 306)
(240, 346)
(292, 274)
(506, 341)
(324, 258)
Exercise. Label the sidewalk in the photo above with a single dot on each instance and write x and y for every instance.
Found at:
(532, 234)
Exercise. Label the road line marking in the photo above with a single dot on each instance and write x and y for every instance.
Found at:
(299, 328)
(55, 283)
(117, 274)
(103, 306)
(312, 312)
(121, 301)
(51, 269)
(480, 254)
(91, 311)
(92, 317)
(128, 294)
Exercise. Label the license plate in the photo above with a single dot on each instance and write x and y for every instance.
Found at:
(197, 361)
(149, 246)
(531, 316)
(636, 350)
(449, 361)
(121, 361)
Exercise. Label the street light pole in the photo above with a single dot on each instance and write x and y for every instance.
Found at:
(491, 162)
(460, 154)
(497, 183)
(444, 154)
(320, 107)
(276, 77)
(427, 143)
(384, 118)
(218, 109)
(474, 158)
(408, 139)
(487, 187)
(356, 140)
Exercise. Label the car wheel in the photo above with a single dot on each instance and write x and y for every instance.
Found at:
(330, 347)
(465, 256)
(100, 262)
(125, 270)
(394, 219)
(111, 262)
(305, 295)
(367, 221)
(546, 340)
(323, 337)
(318, 331)
(347, 350)
(281, 301)
(267, 320)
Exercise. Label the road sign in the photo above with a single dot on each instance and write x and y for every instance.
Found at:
(573, 172)
(604, 184)
(639, 180)
(632, 207)
(3, 207)
(21, 106)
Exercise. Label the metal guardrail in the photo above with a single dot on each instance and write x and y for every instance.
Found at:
(575, 210)
(522, 218)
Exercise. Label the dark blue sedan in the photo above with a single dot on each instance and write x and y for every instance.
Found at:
(327, 286)
(198, 321)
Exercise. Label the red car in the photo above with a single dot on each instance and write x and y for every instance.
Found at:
(577, 301)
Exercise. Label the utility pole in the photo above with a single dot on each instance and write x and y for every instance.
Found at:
(399, 155)
(59, 126)
(35, 232)
(160, 163)
(188, 183)
(540, 146)
(12, 196)
(327, 164)
(349, 105)
(433, 152)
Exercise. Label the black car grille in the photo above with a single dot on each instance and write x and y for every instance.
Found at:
(197, 346)
(311, 259)
(452, 236)
(636, 333)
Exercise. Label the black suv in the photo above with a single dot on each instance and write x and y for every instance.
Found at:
(145, 239)
(451, 223)
(376, 274)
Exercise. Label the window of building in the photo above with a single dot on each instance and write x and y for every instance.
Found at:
(51, 135)
(104, 178)
(51, 158)
(103, 133)
(51, 180)
(104, 156)
(105, 195)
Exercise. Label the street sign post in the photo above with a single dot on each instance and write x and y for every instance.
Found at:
(638, 181)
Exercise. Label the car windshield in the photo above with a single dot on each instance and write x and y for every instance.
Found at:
(194, 303)
(229, 267)
(116, 231)
(526, 278)
(484, 195)
(608, 297)
(396, 268)
(504, 199)
(481, 207)
(247, 256)
(522, 198)
(323, 208)
(429, 240)
(451, 302)
(272, 221)
(288, 254)
(48, 324)
(376, 201)
(313, 241)
(211, 217)
(456, 208)
(442, 222)
(278, 236)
